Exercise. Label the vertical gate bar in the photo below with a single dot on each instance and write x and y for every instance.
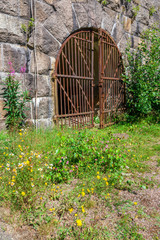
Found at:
(79, 74)
(64, 97)
(72, 58)
(106, 81)
(87, 73)
(112, 83)
(70, 80)
(82, 74)
(92, 66)
(84, 78)
(66, 47)
(100, 83)
(76, 85)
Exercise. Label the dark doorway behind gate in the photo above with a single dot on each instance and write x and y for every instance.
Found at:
(88, 80)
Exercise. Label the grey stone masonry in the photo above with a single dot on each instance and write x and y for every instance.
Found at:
(55, 20)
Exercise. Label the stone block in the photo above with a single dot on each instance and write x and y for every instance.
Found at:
(45, 123)
(44, 107)
(88, 14)
(127, 24)
(142, 15)
(117, 30)
(15, 54)
(150, 4)
(95, 12)
(43, 85)
(123, 43)
(10, 29)
(138, 28)
(51, 2)
(55, 25)
(128, 39)
(107, 22)
(65, 10)
(9, 7)
(2, 112)
(43, 63)
(24, 9)
(114, 5)
(81, 14)
(2, 124)
(43, 11)
(44, 41)
(2, 78)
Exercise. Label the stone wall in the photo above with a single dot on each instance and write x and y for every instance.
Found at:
(55, 20)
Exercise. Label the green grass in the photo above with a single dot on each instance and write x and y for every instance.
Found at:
(51, 178)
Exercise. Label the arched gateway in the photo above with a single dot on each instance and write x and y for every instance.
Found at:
(88, 79)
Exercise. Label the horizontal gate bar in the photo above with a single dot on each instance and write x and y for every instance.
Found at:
(73, 114)
(110, 78)
(113, 110)
(107, 43)
(86, 40)
(74, 76)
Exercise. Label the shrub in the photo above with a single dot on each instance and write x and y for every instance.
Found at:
(143, 75)
(14, 101)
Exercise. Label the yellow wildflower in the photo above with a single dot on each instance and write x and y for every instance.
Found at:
(135, 203)
(79, 222)
(71, 210)
(98, 177)
(23, 193)
(83, 194)
(83, 210)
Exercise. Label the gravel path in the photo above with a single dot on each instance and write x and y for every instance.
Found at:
(4, 236)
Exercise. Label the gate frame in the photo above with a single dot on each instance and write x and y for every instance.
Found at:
(97, 31)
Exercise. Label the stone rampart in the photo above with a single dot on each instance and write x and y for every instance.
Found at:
(55, 20)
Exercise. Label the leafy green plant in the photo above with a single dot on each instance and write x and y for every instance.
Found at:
(28, 29)
(152, 10)
(142, 75)
(14, 101)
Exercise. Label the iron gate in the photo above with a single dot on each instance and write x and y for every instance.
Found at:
(111, 86)
(75, 78)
